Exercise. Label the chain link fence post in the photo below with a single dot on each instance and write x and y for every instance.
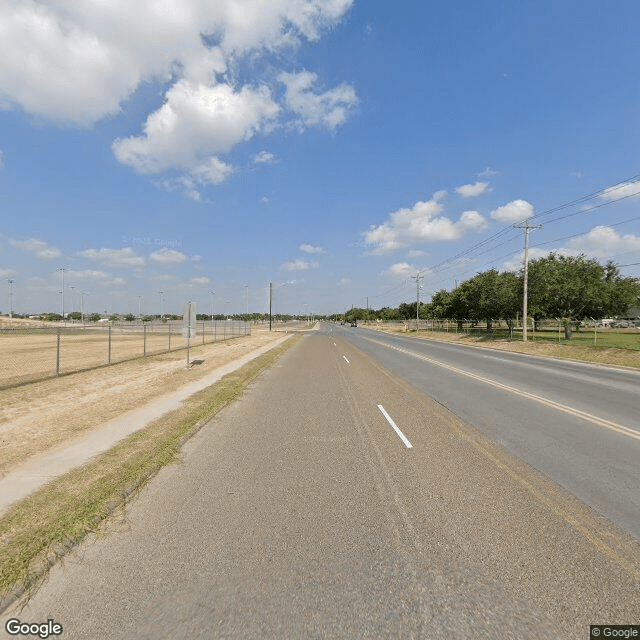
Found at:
(144, 340)
(109, 356)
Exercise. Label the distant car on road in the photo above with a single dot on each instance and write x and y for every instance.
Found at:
(354, 324)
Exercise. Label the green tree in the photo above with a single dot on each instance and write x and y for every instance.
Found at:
(94, 317)
(130, 317)
(74, 315)
(576, 287)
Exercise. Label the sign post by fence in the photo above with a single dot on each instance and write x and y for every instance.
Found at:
(189, 324)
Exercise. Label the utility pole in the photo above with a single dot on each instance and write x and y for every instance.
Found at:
(270, 299)
(417, 278)
(527, 227)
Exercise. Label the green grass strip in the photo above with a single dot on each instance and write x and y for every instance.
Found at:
(37, 531)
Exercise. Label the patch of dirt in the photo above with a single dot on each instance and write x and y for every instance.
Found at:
(41, 415)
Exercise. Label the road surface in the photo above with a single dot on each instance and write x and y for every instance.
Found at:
(339, 500)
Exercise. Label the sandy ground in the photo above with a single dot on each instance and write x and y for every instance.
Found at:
(42, 415)
(31, 353)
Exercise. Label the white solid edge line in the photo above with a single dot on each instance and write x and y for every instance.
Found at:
(345, 357)
(395, 427)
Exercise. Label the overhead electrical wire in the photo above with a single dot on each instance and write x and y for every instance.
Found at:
(540, 216)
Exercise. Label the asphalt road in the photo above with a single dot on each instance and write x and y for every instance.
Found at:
(301, 512)
(578, 423)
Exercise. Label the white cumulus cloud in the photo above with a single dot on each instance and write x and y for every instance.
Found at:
(264, 157)
(624, 190)
(196, 123)
(299, 265)
(310, 249)
(472, 190)
(419, 224)
(513, 211)
(125, 257)
(168, 256)
(78, 61)
(41, 249)
(400, 269)
(604, 242)
(329, 109)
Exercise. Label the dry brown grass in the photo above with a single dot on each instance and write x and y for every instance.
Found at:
(41, 415)
(38, 530)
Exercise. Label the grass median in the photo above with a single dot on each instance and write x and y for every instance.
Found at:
(42, 528)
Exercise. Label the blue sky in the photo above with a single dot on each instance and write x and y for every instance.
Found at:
(332, 147)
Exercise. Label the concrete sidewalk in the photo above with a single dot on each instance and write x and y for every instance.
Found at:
(38, 470)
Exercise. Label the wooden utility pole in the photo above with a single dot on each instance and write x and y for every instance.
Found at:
(527, 227)
(417, 278)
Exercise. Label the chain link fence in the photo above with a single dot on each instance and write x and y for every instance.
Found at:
(31, 354)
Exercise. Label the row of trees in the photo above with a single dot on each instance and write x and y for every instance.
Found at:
(572, 288)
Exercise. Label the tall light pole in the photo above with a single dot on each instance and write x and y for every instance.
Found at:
(82, 295)
(283, 284)
(11, 283)
(161, 293)
(212, 293)
(62, 270)
(246, 296)
(73, 297)
(139, 307)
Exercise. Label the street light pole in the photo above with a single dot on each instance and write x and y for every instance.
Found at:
(82, 295)
(161, 305)
(73, 297)
(62, 270)
(212, 293)
(11, 282)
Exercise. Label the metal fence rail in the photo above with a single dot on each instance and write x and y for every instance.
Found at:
(32, 354)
